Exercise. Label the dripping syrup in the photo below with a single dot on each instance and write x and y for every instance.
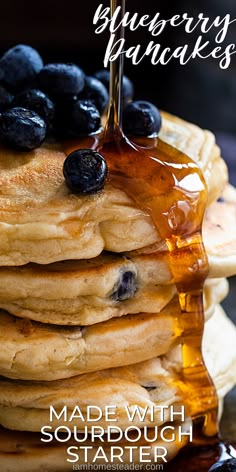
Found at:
(169, 186)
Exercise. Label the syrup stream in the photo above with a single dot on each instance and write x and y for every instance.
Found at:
(113, 128)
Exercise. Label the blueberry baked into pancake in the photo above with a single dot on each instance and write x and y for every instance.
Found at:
(90, 312)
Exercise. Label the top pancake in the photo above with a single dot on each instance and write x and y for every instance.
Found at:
(42, 222)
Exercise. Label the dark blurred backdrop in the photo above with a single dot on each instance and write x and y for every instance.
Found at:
(63, 30)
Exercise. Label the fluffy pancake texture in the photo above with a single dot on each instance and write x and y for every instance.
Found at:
(87, 292)
(41, 221)
(219, 234)
(91, 291)
(57, 353)
(215, 290)
(25, 405)
(220, 332)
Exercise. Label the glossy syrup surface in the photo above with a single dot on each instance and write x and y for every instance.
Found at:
(169, 186)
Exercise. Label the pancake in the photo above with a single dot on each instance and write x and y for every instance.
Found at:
(215, 290)
(220, 360)
(42, 222)
(25, 405)
(88, 292)
(25, 452)
(200, 145)
(219, 234)
(57, 353)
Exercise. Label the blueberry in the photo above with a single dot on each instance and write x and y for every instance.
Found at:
(61, 79)
(81, 118)
(126, 287)
(96, 92)
(19, 66)
(36, 100)
(85, 171)
(127, 86)
(22, 128)
(224, 466)
(141, 118)
(149, 389)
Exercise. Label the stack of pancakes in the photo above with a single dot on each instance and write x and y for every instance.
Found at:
(88, 315)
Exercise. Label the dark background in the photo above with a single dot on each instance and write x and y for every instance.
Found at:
(63, 31)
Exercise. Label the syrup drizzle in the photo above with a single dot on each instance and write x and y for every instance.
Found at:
(169, 186)
(113, 128)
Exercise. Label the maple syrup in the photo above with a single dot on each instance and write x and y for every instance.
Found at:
(169, 186)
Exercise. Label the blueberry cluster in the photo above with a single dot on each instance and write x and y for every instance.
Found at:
(37, 101)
